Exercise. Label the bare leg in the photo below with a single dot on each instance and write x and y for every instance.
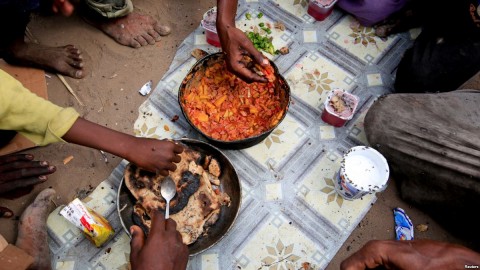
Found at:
(66, 60)
(32, 230)
(134, 30)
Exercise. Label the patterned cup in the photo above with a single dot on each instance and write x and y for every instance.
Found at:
(364, 170)
(330, 116)
(209, 24)
(320, 9)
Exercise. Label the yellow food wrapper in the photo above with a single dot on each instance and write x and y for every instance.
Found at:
(94, 226)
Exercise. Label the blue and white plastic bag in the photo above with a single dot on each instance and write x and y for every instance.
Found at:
(403, 225)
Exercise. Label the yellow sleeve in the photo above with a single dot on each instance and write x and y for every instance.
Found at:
(34, 117)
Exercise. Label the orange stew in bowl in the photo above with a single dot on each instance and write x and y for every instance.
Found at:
(226, 108)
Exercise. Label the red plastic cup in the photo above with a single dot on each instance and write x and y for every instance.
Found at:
(335, 119)
(209, 24)
(320, 9)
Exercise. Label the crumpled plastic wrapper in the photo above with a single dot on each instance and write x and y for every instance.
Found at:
(146, 88)
(403, 225)
(95, 227)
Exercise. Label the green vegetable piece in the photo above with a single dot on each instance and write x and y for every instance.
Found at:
(261, 24)
(248, 16)
(260, 15)
(268, 30)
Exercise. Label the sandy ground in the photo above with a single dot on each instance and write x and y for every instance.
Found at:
(110, 92)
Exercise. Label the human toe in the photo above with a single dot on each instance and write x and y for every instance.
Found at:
(132, 42)
(72, 49)
(78, 64)
(150, 39)
(163, 30)
(141, 41)
(154, 34)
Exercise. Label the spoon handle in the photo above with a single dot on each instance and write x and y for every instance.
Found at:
(167, 210)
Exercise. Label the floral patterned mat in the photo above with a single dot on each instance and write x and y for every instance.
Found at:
(290, 212)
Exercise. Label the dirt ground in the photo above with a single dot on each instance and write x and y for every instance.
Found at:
(110, 92)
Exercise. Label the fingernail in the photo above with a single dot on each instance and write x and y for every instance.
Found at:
(131, 230)
(43, 163)
(29, 156)
(42, 178)
(52, 168)
(265, 61)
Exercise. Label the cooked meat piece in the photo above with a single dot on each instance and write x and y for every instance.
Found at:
(284, 50)
(206, 162)
(338, 104)
(195, 168)
(199, 53)
(279, 26)
(214, 168)
(213, 179)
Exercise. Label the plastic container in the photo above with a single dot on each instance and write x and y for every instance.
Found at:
(209, 24)
(364, 170)
(320, 9)
(338, 119)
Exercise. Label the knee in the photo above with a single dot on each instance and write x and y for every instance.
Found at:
(378, 122)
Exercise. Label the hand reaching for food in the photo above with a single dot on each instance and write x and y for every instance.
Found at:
(156, 156)
(236, 45)
(162, 249)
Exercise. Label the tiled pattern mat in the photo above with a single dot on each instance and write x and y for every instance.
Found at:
(290, 212)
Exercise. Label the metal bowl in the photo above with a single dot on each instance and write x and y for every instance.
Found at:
(281, 85)
(229, 184)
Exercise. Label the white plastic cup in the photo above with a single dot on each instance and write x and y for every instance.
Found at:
(363, 170)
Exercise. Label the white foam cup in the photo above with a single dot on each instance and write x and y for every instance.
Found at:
(363, 170)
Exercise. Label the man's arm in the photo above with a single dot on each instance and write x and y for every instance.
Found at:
(150, 154)
(236, 44)
(416, 254)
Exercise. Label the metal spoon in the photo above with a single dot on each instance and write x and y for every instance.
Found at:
(168, 191)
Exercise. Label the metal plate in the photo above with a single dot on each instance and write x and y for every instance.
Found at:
(229, 184)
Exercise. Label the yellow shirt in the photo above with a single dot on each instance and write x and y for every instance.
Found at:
(32, 116)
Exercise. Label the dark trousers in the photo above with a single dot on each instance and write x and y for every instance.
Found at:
(432, 144)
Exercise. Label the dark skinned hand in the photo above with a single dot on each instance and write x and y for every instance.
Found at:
(236, 45)
(416, 254)
(155, 155)
(163, 249)
(20, 170)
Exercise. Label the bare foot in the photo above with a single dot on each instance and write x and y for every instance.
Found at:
(66, 60)
(134, 30)
(32, 230)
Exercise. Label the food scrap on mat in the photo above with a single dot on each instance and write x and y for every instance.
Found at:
(199, 53)
(67, 160)
(422, 227)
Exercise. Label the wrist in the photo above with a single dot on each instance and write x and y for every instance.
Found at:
(128, 144)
